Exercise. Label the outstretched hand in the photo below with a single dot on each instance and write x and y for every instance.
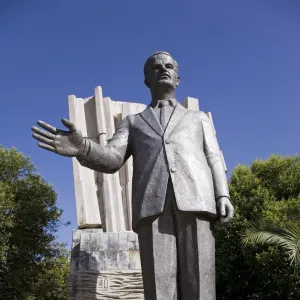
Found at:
(67, 143)
(225, 210)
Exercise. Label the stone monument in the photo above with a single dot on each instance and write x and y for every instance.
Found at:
(105, 262)
(165, 157)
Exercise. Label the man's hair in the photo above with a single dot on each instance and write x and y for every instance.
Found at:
(156, 53)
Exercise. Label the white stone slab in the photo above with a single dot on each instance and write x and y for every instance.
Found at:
(88, 212)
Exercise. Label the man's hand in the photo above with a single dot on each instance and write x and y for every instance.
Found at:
(225, 210)
(67, 143)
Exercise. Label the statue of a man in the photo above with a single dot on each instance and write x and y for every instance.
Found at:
(179, 184)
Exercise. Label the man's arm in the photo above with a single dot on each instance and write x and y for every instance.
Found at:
(213, 156)
(106, 159)
(109, 158)
(212, 153)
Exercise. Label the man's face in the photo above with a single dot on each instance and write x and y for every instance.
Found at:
(161, 71)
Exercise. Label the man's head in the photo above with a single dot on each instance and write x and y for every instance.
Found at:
(161, 69)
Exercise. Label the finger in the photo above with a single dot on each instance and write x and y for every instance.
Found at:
(47, 127)
(229, 215)
(226, 220)
(43, 139)
(47, 147)
(69, 124)
(222, 209)
(43, 133)
(230, 212)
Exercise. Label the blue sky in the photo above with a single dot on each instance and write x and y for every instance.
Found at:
(240, 58)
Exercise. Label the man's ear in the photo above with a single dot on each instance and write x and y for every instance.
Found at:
(177, 81)
(147, 83)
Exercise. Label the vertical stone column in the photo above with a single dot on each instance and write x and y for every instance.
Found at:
(191, 103)
(108, 184)
(87, 204)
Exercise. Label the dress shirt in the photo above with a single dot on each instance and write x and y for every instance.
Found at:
(157, 108)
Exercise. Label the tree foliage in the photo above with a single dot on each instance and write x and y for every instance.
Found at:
(265, 192)
(29, 219)
(52, 282)
(287, 237)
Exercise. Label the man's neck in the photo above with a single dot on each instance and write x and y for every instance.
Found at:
(161, 94)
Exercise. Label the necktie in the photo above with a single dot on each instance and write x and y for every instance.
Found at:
(163, 104)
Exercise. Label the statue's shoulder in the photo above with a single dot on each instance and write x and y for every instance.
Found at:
(198, 114)
(131, 118)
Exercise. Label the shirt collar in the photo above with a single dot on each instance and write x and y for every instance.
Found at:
(172, 102)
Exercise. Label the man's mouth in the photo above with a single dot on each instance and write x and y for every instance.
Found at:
(163, 76)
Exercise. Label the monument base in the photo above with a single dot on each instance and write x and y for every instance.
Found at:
(105, 265)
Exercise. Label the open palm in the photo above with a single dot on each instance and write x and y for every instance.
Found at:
(67, 143)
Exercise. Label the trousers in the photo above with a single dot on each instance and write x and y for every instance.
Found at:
(177, 251)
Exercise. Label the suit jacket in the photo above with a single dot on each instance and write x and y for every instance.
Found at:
(187, 152)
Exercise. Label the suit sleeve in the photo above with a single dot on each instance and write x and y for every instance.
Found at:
(214, 160)
(110, 158)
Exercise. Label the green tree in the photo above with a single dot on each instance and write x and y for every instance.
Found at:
(265, 192)
(266, 234)
(52, 282)
(29, 219)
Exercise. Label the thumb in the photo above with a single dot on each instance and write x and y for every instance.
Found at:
(69, 125)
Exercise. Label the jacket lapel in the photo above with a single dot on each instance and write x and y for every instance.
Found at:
(178, 113)
(149, 116)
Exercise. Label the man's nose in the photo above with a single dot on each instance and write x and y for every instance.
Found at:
(163, 68)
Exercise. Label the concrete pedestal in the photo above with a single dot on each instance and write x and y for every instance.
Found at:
(105, 265)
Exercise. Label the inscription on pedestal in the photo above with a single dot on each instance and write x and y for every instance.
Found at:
(102, 283)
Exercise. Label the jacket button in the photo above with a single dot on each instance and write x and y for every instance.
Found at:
(167, 141)
(173, 170)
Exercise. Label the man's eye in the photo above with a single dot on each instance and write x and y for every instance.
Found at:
(155, 67)
(169, 66)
